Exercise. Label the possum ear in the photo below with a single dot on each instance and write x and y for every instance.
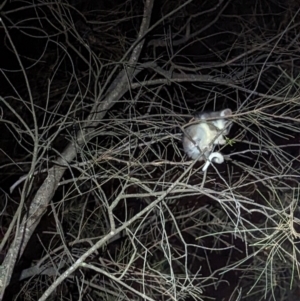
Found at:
(226, 112)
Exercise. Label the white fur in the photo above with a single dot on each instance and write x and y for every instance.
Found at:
(215, 157)
(199, 139)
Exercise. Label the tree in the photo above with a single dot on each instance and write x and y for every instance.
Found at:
(95, 99)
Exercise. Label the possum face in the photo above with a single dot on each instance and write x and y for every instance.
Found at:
(223, 124)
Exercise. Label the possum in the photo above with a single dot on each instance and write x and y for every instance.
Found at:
(199, 139)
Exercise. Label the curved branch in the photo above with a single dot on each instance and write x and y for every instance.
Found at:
(46, 191)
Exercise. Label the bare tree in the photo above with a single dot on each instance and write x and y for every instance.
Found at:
(99, 200)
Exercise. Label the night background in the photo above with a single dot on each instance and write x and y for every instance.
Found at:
(98, 200)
